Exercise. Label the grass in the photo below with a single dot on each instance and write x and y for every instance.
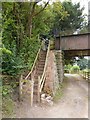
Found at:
(60, 91)
(7, 106)
(8, 91)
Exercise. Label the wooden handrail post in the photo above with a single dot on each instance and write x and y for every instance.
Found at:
(86, 75)
(32, 85)
(39, 89)
(20, 87)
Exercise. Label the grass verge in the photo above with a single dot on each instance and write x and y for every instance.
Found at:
(60, 91)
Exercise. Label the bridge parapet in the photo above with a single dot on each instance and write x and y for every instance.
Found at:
(73, 42)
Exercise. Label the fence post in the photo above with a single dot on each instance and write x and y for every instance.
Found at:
(89, 77)
(20, 87)
(32, 85)
(39, 89)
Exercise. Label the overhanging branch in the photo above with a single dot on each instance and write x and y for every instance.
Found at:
(42, 8)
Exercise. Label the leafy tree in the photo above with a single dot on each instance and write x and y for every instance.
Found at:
(73, 21)
(82, 63)
(15, 39)
(84, 29)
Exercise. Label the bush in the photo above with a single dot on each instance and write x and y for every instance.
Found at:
(67, 68)
(75, 69)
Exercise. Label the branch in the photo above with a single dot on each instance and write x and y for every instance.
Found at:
(42, 8)
(33, 8)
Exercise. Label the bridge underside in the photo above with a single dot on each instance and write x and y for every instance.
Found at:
(76, 53)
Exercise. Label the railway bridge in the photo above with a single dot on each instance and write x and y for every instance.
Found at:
(74, 45)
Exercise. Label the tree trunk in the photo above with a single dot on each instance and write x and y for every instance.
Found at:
(30, 26)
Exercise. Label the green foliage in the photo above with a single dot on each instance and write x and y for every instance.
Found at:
(19, 50)
(7, 107)
(9, 94)
(22, 26)
(29, 50)
(83, 63)
(86, 70)
(73, 20)
(60, 90)
(4, 50)
(67, 68)
(75, 69)
(11, 64)
(5, 90)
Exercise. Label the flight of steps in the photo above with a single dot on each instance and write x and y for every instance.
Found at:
(39, 72)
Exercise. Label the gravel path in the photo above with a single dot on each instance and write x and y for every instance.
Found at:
(73, 104)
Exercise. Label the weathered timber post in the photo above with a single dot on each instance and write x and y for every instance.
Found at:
(32, 85)
(88, 76)
(38, 89)
(20, 87)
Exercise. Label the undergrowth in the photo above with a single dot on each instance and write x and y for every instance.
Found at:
(60, 91)
(9, 87)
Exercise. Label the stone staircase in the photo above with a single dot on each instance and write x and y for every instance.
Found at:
(32, 84)
(38, 74)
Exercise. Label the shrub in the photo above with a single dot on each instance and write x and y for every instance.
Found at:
(75, 69)
(67, 68)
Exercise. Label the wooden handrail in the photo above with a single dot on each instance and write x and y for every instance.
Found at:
(41, 82)
(35, 61)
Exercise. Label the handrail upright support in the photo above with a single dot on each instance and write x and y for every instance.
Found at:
(32, 86)
(20, 87)
(39, 89)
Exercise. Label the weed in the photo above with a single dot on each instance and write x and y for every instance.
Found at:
(60, 91)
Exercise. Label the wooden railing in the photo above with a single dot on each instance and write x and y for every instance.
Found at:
(86, 75)
(33, 70)
(28, 82)
(43, 77)
(26, 88)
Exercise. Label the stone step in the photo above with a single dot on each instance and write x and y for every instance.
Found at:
(36, 76)
(39, 72)
(41, 65)
(35, 82)
(35, 93)
(40, 68)
(43, 60)
(43, 55)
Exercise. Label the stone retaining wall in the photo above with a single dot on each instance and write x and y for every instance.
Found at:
(52, 80)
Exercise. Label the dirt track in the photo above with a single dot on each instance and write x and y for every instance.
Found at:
(73, 104)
